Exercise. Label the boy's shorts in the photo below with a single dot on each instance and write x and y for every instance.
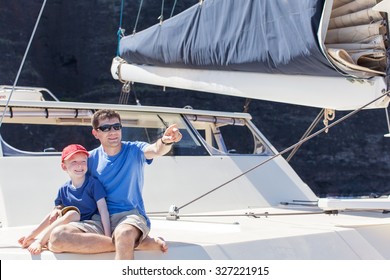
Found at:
(132, 217)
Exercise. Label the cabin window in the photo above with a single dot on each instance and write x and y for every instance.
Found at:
(152, 127)
(202, 135)
(38, 135)
(247, 143)
(220, 135)
(35, 138)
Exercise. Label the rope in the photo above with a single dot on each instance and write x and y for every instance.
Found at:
(287, 149)
(121, 62)
(121, 31)
(125, 92)
(23, 60)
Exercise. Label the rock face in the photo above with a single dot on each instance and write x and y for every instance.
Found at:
(71, 55)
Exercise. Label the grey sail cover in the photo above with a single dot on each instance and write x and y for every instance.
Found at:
(267, 36)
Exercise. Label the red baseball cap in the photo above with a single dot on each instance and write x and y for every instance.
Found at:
(71, 150)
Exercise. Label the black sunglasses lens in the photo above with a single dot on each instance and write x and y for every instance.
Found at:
(107, 127)
(117, 126)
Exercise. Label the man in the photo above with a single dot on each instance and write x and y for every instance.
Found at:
(118, 165)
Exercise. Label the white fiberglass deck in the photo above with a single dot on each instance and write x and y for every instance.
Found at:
(291, 236)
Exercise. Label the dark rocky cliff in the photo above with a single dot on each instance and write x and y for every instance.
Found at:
(71, 55)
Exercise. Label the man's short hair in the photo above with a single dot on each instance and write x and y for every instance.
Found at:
(103, 115)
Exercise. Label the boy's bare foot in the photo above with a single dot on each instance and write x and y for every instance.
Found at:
(157, 243)
(25, 241)
(35, 248)
(21, 240)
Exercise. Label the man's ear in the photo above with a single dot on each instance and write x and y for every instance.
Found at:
(95, 133)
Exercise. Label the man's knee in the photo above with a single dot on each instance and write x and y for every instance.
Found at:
(127, 233)
(59, 238)
(55, 241)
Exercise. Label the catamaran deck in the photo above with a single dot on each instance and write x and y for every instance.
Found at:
(286, 233)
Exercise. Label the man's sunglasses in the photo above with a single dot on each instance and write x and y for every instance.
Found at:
(107, 127)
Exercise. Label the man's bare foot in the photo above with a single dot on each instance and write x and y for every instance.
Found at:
(157, 243)
(162, 244)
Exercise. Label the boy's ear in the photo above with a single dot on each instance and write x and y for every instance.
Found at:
(63, 166)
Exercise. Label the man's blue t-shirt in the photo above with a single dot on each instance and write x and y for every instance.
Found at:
(84, 198)
(122, 176)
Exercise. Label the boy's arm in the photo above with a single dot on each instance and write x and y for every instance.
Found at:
(105, 216)
(55, 213)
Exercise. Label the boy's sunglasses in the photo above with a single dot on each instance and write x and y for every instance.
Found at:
(107, 127)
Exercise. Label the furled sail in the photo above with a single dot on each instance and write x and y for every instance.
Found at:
(303, 52)
(356, 38)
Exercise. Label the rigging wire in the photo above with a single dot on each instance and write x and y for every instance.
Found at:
(161, 17)
(136, 20)
(23, 61)
(173, 8)
(307, 132)
(287, 149)
(135, 96)
(246, 105)
(248, 214)
(388, 123)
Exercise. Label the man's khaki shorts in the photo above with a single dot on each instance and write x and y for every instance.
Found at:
(132, 217)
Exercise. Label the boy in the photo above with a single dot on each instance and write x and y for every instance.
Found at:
(78, 199)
